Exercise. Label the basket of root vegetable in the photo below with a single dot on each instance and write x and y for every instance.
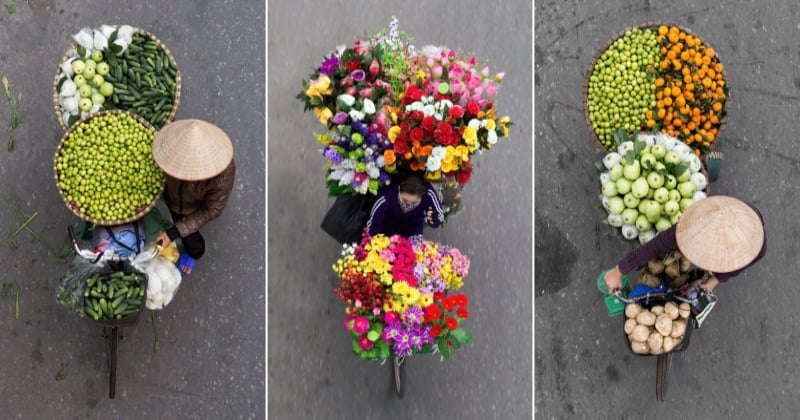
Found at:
(658, 325)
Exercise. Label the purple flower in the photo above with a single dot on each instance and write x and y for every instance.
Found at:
(402, 345)
(329, 66)
(391, 331)
(333, 156)
(358, 75)
(417, 337)
(339, 118)
(413, 315)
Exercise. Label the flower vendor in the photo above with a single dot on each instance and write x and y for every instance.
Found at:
(721, 235)
(404, 207)
(197, 159)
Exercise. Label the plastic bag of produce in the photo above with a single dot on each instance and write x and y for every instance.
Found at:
(69, 293)
(163, 279)
(125, 239)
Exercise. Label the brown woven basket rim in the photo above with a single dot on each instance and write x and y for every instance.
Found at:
(617, 35)
(73, 45)
(69, 205)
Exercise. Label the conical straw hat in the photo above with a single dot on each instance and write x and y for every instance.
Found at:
(192, 150)
(720, 234)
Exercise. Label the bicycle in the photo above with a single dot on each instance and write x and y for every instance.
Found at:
(112, 329)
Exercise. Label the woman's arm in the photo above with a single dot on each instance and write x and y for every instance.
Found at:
(434, 214)
(377, 216)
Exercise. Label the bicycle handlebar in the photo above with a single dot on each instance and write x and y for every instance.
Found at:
(619, 296)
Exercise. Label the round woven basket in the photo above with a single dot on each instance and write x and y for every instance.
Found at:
(620, 34)
(71, 205)
(73, 45)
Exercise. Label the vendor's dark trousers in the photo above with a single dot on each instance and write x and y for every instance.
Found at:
(193, 244)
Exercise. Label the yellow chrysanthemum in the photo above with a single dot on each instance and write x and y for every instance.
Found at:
(490, 125)
(425, 300)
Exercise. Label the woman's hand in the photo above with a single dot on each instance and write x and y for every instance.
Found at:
(164, 238)
(429, 215)
(613, 279)
(710, 283)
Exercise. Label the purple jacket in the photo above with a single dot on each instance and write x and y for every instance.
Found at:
(387, 216)
(666, 242)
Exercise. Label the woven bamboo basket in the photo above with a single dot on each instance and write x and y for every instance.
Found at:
(620, 34)
(71, 205)
(73, 45)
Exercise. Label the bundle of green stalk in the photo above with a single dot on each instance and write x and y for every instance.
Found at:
(146, 81)
(112, 296)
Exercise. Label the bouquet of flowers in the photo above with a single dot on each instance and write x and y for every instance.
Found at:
(348, 93)
(398, 300)
(386, 105)
(445, 115)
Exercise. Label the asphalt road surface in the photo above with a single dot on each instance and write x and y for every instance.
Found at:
(312, 373)
(742, 363)
(210, 360)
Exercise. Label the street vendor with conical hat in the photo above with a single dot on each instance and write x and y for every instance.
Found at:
(197, 159)
(721, 235)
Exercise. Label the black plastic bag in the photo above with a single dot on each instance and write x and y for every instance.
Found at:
(347, 217)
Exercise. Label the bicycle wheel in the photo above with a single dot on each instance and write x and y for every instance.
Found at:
(663, 366)
(112, 360)
(398, 372)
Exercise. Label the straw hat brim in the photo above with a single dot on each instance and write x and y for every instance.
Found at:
(720, 234)
(192, 150)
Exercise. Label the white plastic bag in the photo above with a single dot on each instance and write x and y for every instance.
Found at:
(163, 279)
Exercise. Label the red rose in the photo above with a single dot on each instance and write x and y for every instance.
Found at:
(436, 330)
(429, 123)
(463, 313)
(456, 111)
(437, 296)
(417, 116)
(451, 323)
(412, 94)
(400, 146)
(443, 131)
(464, 175)
(416, 134)
(473, 108)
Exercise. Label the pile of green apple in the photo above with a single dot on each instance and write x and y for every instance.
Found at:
(648, 182)
(86, 86)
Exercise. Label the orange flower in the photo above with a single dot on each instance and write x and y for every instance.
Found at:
(389, 157)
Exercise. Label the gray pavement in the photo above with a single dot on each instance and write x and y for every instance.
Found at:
(742, 364)
(210, 363)
(312, 373)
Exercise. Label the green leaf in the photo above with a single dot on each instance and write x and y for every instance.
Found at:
(81, 51)
(444, 349)
(629, 157)
(620, 136)
(383, 349)
(355, 347)
(116, 49)
(638, 146)
(72, 120)
(112, 37)
(680, 168)
(461, 335)
(61, 82)
(11, 8)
